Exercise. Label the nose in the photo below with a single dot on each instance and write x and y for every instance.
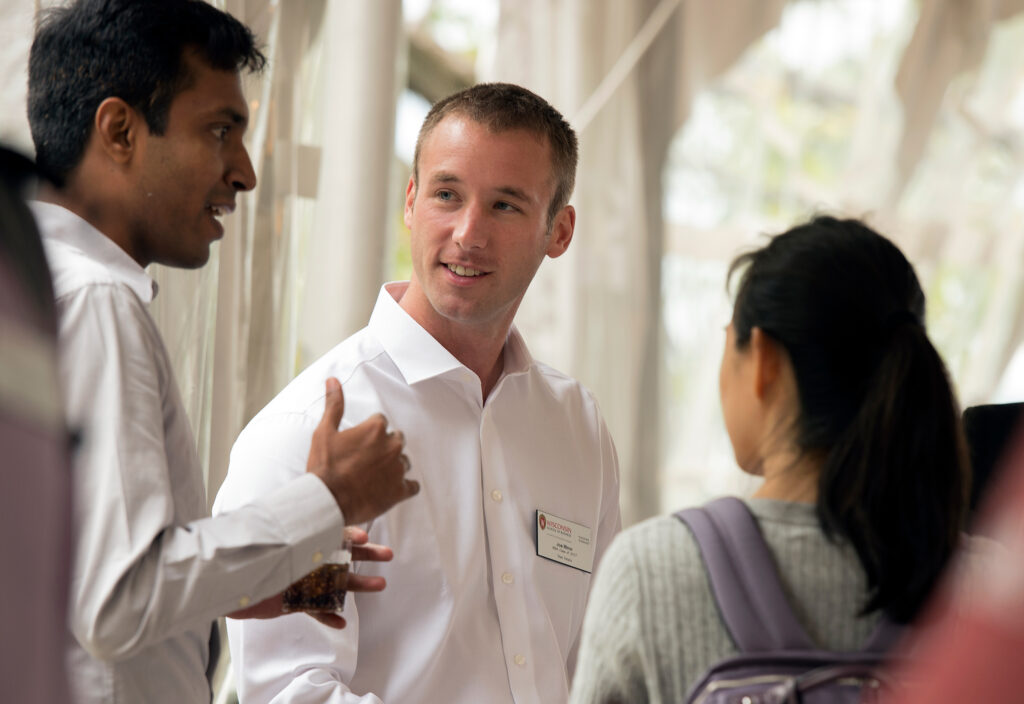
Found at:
(240, 174)
(470, 230)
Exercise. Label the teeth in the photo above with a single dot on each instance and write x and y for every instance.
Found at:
(463, 271)
(220, 210)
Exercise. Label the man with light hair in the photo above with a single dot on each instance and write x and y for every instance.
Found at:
(484, 603)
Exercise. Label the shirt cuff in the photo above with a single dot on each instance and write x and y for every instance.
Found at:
(310, 519)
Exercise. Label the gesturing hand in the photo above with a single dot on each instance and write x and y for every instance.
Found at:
(364, 466)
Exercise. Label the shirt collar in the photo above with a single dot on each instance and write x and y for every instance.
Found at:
(59, 224)
(416, 353)
(518, 359)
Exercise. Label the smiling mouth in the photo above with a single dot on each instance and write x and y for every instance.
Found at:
(463, 271)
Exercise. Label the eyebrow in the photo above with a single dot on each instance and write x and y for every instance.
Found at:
(514, 192)
(444, 177)
(230, 114)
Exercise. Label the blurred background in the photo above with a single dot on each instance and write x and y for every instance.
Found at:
(704, 126)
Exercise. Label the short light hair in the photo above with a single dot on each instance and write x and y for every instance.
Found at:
(502, 107)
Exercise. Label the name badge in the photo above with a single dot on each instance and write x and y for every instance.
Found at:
(564, 541)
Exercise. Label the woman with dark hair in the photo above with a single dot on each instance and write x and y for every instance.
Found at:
(832, 392)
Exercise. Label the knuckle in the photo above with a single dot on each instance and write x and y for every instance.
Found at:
(378, 425)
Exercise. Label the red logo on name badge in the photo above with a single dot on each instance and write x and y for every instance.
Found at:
(543, 522)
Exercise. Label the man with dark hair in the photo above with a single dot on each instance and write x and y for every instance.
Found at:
(137, 111)
(93, 49)
(519, 473)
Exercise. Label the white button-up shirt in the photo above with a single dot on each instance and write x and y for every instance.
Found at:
(471, 613)
(151, 569)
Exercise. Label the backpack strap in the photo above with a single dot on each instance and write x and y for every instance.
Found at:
(885, 637)
(744, 579)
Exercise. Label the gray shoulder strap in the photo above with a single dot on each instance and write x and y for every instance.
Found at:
(744, 578)
(746, 583)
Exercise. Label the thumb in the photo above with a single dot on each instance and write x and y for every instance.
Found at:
(334, 404)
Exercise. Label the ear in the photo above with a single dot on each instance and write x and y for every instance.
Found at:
(410, 198)
(768, 357)
(118, 129)
(561, 232)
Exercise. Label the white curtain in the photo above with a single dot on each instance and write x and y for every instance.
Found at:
(624, 74)
(16, 24)
(960, 88)
(905, 129)
(302, 259)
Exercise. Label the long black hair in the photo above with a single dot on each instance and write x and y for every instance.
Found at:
(875, 399)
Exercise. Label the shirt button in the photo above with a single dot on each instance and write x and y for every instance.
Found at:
(507, 578)
(520, 660)
(496, 495)
(317, 557)
(243, 602)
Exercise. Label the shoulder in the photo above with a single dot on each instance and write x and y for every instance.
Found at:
(352, 362)
(794, 535)
(567, 391)
(293, 414)
(90, 297)
(653, 576)
(559, 382)
(101, 319)
(274, 446)
(660, 550)
(72, 270)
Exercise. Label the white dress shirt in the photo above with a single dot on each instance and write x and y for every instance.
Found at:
(471, 613)
(151, 569)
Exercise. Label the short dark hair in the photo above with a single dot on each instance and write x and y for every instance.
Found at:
(502, 107)
(875, 399)
(135, 50)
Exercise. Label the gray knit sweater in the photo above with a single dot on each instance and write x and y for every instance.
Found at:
(652, 628)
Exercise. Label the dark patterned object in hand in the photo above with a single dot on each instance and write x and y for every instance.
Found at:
(323, 589)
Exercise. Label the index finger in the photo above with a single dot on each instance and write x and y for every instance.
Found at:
(371, 552)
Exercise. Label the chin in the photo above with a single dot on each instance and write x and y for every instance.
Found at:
(183, 260)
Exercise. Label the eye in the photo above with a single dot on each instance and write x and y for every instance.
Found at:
(221, 132)
(502, 205)
(445, 195)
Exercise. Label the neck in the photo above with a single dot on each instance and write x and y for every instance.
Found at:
(790, 476)
(65, 198)
(107, 217)
(482, 353)
(488, 367)
(477, 345)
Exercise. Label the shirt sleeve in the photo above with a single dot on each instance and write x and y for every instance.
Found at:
(611, 518)
(293, 658)
(148, 564)
(611, 664)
